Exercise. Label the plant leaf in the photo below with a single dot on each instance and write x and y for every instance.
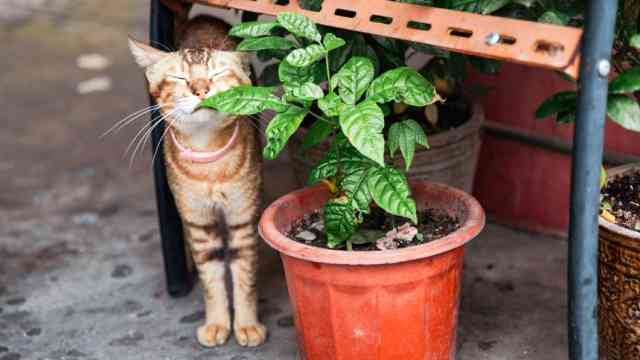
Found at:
(313, 5)
(405, 85)
(341, 155)
(484, 7)
(339, 221)
(331, 104)
(353, 79)
(405, 135)
(299, 25)
(627, 82)
(562, 101)
(319, 131)
(554, 17)
(293, 75)
(362, 124)
(340, 55)
(269, 54)
(253, 29)
(306, 91)
(603, 177)
(332, 42)
(356, 187)
(634, 41)
(487, 7)
(625, 111)
(305, 56)
(566, 117)
(244, 100)
(280, 128)
(390, 190)
(265, 43)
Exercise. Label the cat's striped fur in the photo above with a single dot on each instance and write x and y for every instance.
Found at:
(218, 201)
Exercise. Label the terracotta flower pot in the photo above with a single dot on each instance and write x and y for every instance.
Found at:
(398, 304)
(619, 288)
(451, 158)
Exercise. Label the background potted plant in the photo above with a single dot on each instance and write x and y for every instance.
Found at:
(398, 298)
(453, 126)
(619, 233)
(515, 140)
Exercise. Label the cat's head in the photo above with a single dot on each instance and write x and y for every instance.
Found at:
(179, 81)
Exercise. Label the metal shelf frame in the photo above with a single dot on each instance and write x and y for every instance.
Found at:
(579, 53)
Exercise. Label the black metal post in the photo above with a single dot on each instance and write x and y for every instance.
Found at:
(179, 280)
(585, 190)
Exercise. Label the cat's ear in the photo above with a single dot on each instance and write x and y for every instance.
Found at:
(144, 54)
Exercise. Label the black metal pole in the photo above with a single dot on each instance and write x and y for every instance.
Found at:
(179, 280)
(585, 190)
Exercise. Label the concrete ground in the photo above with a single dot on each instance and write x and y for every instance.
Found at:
(80, 263)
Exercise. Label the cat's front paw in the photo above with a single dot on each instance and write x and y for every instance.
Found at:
(251, 334)
(211, 335)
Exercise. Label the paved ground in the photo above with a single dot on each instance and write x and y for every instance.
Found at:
(80, 262)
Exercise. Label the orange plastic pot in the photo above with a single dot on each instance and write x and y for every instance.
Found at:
(398, 304)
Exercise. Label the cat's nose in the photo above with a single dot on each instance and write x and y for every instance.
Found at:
(199, 88)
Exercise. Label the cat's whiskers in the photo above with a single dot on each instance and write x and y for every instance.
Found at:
(164, 134)
(119, 125)
(147, 135)
(142, 134)
(154, 122)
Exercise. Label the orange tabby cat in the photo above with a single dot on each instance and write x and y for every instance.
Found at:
(214, 171)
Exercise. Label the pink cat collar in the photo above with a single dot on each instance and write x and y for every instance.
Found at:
(205, 156)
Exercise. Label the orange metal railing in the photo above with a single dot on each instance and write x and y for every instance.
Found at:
(542, 45)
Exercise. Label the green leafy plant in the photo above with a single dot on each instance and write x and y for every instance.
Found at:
(350, 99)
(387, 53)
(447, 71)
(624, 86)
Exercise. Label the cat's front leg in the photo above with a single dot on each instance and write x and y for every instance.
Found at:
(243, 254)
(207, 247)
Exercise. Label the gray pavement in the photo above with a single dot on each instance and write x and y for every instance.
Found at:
(80, 263)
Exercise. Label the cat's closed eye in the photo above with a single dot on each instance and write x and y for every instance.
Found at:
(219, 73)
(176, 77)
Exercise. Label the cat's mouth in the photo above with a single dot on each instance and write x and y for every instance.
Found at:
(188, 105)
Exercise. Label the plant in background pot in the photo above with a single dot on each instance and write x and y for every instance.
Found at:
(619, 232)
(369, 270)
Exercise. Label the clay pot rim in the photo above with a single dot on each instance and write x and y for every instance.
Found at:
(615, 228)
(470, 229)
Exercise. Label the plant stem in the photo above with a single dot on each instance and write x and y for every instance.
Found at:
(320, 117)
(326, 62)
(349, 246)
(338, 170)
(338, 162)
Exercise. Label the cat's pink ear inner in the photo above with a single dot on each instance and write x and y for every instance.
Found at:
(144, 54)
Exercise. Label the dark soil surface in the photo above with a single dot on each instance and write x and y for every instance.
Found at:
(621, 198)
(433, 224)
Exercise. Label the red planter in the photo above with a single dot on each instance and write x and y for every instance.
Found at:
(399, 304)
(524, 185)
